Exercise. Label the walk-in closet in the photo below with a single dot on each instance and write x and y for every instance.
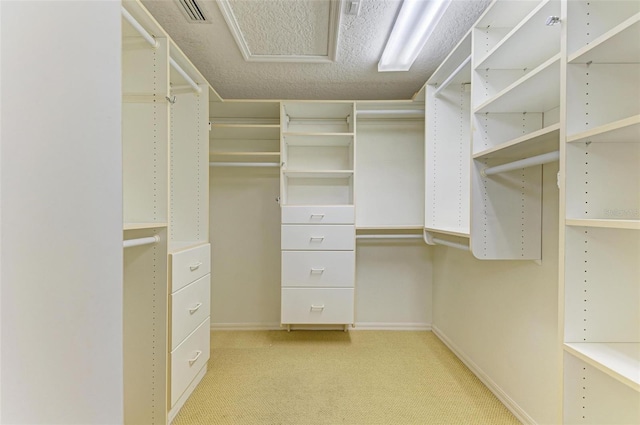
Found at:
(197, 230)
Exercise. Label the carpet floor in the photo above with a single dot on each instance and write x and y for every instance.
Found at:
(332, 378)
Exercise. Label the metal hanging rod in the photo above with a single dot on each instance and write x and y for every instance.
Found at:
(453, 75)
(186, 76)
(140, 241)
(430, 240)
(136, 25)
(396, 112)
(389, 236)
(244, 164)
(523, 163)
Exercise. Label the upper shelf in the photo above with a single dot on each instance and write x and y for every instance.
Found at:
(245, 131)
(536, 143)
(623, 131)
(528, 44)
(452, 63)
(537, 91)
(618, 45)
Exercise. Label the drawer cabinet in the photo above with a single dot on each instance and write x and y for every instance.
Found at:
(321, 214)
(317, 305)
(188, 358)
(318, 268)
(189, 307)
(313, 237)
(189, 265)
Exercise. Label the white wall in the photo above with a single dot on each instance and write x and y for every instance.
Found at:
(393, 286)
(61, 201)
(502, 316)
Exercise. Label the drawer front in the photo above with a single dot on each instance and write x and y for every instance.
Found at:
(324, 238)
(189, 307)
(322, 214)
(318, 268)
(317, 306)
(187, 360)
(189, 265)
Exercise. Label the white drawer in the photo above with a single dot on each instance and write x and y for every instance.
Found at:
(313, 237)
(318, 268)
(187, 360)
(189, 307)
(189, 265)
(317, 306)
(321, 214)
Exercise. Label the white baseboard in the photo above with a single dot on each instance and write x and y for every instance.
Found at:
(510, 404)
(246, 326)
(369, 326)
(382, 326)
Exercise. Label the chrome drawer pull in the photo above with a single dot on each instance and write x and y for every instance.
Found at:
(195, 266)
(320, 271)
(317, 238)
(317, 216)
(195, 308)
(195, 359)
(317, 307)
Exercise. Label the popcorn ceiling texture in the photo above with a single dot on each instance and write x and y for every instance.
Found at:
(354, 76)
(278, 27)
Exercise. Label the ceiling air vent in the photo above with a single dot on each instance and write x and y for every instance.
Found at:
(193, 11)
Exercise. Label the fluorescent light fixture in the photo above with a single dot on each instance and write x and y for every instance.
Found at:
(414, 24)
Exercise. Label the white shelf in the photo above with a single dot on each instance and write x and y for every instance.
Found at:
(388, 228)
(318, 174)
(538, 91)
(318, 139)
(459, 55)
(619, 45)
(450, 232)
(541, 41)
(539, 142)
(604, 224)
(142, 226)
(245, 154)
(618, 360)
(625, 131)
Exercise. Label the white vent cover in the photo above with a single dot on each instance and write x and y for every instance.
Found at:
(193, 11)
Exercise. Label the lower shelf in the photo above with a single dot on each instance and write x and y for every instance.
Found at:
(621, 361)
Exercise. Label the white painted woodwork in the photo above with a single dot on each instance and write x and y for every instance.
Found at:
(318, 268)
(189, 265)
(190, 306)
(447, 145)
(313, 237)
(600, 286)
(318, 214)
(61, 220)
(317, 305)
(389, 187)
(188, 359)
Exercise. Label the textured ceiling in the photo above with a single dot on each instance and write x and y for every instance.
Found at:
(278, 27)
(353, 76)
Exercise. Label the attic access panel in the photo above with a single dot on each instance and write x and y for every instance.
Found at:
(284, 30)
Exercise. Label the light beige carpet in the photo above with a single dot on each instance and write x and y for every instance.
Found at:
(332, 377)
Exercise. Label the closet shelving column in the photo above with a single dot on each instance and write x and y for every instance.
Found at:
(318, 232)
(145, 145)
(448, 147)
(515, 105)
(189, 251)
(602, 225)
(245, 133)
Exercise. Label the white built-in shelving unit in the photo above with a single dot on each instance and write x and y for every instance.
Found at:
(601, 279)
(145, 146)
(515, 105)
(389, 190)
(317, 201)
(245, 134)
(447, 147)
(165, 135)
